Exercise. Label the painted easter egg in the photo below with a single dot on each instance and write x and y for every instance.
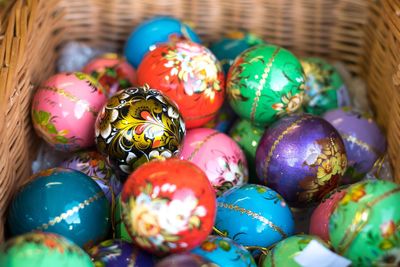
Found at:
(365, 225)
(137, 125)
(224, 119)
(64, 109)
(190, 75)
(153, 32)
(61, 201)
(265, 83)
(224, 252)
(168, 206)
(218, 156)
(118, 253)
(94, 165)
(364, 141)
(38, 249)
(112, 72)
(185, 260)
(232, 44)
(302, 157)
(119, 227)
(325, 89)
(258, 225)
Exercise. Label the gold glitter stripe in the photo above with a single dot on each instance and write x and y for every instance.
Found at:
(360, 220)
(132, 261)
(278, 140)
(68, 95)
(200, 144)
(360, 143)
(70, 212)
(253, 215)
(264, 78)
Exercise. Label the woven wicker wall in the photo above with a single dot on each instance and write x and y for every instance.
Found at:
(361, 33)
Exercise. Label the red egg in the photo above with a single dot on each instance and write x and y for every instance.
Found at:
(112, 71)
(168, 206)
(319, 223)
(189, 74)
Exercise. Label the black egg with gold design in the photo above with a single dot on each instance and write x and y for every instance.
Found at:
(137, 125)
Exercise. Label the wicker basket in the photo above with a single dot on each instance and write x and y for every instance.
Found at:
(364, 34)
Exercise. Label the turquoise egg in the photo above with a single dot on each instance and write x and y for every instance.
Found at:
(261, 216)
(61, 201)
(224, 252)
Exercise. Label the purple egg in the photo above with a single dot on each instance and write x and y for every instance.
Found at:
(302, 157)
(185, 260)
(118, 253)
(364, 141)
(94, 165)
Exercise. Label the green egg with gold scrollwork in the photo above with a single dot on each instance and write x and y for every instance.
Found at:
(365, 227)
(265, 83)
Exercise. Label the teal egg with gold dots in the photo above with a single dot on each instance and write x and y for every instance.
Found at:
(61, 201)
(261, 216)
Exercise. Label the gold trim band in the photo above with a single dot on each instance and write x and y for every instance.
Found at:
(70, 212)
(253, 215)
(360, 143)
(278, 140)
(261, 84)
(200, 144)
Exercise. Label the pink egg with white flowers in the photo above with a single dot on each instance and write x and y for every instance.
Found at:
(319, 223)
(218, 156)
(64, 110)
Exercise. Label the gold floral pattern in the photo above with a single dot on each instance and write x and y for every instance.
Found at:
(156, 220)
(290, 103)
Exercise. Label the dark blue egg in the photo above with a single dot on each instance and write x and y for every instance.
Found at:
(152, 32)
(61, 201)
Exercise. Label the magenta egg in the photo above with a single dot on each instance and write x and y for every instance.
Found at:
(218, 156)
(64, 110)
(319, 223)
(302, 157)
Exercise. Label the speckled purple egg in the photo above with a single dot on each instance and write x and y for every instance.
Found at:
(94, 165)
(118, 253)
(364, 141)
(185, 260)
(302, 157)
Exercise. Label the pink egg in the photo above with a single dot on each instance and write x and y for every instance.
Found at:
(112, 71)
(319, 223)
(64, 110)
(218, 156)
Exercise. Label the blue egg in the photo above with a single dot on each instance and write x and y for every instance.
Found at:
(261, 217)
(61, 201)
(224, 252)
(234, 43)
(152, 32)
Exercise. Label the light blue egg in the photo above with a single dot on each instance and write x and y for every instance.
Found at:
(224, 252)
(152, 32)
(61, 201)
(254, 215)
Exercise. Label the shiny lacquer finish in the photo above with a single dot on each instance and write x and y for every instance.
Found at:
(112, 71)
(218, 156)
(190, 75)
(261, 216)
(64, 109)
(62, 201)
(120, 231)
(284, 253)
(185, 260)
(265, 83)
(154, 32)
(319, 222)
(94, 165)
(118, 253)
(40, 249)
(365, 143)
(325, 89)
(365, 225)
(224, 252)
(247, 136)
(137, 125)
(302, 157)
(168, 206)
(231, 45)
